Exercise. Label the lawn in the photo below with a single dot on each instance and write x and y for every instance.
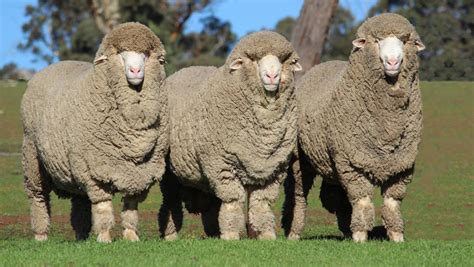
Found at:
(438, 209)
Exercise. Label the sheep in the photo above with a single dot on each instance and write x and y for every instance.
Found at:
(90, 131)
(359, 126)
(232, 131)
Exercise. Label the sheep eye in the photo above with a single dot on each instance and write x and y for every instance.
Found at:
(162, 60)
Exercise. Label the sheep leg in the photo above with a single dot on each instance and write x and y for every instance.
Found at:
(297, 185)
(129, 216)
(360, 193)
(210, 218)
(260, 214)
(81, 219)
(231, 213)
(393, 192)
(334, 199)
(170, 216)
(103, 220)
(37, 187)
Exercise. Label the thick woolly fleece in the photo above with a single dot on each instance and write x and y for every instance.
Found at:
(358, 129)
(88, 132)
(228, 137)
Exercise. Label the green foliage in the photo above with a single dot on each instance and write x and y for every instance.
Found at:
(8, 71)
(338, 45)
(285, 27)
(68, 30)
(340, 34)
(447, 30)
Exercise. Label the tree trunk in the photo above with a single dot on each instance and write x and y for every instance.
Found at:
(106, 14)
(310, 31)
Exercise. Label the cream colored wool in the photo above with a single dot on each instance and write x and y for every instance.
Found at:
(357, 129)
(88, 133)
(230, 139)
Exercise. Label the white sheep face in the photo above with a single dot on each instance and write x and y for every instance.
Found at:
(269, 70)
(391, 55)
(134, 64)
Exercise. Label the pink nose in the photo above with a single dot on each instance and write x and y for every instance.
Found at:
(392, 61)
(271, 76)
(135, 70)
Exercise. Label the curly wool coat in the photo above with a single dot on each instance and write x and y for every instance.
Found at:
(227, 134)
(88, 131)
(356, 123)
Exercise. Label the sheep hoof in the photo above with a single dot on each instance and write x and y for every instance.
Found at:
(171, 237)
(293, 236)
(41, 237)
(130, 235)
(359, 236)
(230, 236)
(396, 237)
(104, 237)
(267, 235)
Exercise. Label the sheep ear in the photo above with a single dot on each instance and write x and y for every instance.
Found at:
(359, 42)
(297, 67)
(236, 64)
(100, 59)
(419, 45)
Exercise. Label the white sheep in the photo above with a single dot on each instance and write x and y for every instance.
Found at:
(359, 126)
(233, 130)
(89, 133)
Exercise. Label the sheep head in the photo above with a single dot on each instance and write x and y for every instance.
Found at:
(134, 64)
(264, 61)
(391, 38)
(132, 45)
(125, 55)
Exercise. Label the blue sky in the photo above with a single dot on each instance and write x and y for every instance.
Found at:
(244, 16)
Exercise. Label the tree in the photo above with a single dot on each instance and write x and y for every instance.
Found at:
(60, 30)
(446, 28)
(338, 45)
(311, 29)
(9, 71)
(285, 27)
(341, 32)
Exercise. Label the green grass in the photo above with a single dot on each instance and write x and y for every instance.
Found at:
(192, 252)
(438, 210)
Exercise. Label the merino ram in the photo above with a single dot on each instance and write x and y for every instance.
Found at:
(91, 130)
(233, 130)
(359, 126)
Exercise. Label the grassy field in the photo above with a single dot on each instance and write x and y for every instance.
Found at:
(438, 209)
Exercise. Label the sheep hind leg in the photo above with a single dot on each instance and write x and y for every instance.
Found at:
(393, 193)
(334, 199)
(210, 219)
(81, 219)
(170, 215)
(360, 193)
(297, 185)
(37, 187)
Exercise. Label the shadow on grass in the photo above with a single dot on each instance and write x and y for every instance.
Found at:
(377, 233)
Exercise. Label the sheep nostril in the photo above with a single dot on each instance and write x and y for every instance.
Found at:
(392, 61)
(272, 76)
(135, 70)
